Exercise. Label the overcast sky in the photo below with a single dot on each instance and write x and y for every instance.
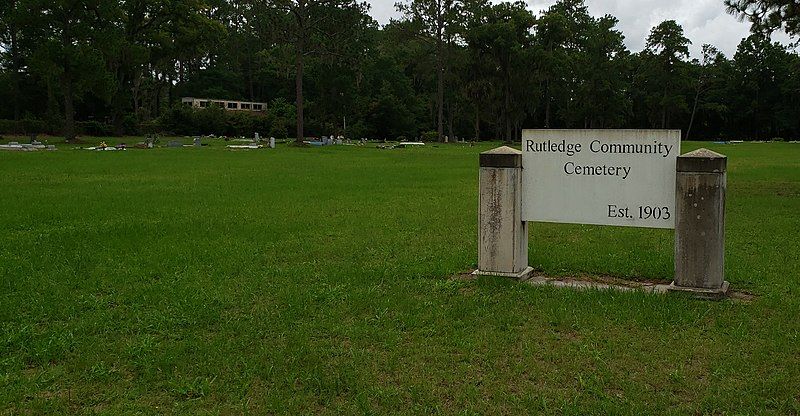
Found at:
(703, 21)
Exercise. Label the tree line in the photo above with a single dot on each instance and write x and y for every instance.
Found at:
(445, 70)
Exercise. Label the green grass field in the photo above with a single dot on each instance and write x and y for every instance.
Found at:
(319, 280)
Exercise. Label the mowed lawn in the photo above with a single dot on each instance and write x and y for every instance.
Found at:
(320, 280)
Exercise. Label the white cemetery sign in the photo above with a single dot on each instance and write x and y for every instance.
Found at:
(604, 177)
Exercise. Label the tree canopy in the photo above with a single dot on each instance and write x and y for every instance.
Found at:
(446, 69)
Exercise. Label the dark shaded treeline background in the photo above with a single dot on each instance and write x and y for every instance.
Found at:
(455, 68)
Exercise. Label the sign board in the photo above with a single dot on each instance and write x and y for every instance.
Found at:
(604, 177)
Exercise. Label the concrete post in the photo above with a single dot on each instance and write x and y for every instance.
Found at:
(502, 235)
(700, 225)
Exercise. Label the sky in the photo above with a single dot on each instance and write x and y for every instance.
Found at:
(703, 21)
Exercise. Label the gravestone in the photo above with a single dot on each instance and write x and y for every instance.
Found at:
(271, 142)
(197, 142)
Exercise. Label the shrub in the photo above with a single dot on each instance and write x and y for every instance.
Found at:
(31, 126)
(189, 121)
(25, 126)
(278, 131)
(240, 124)
(9, 126)
(94, 128)
(430, 136)
(148, 127)
(211, 120)
(130, 125)
(178, 120)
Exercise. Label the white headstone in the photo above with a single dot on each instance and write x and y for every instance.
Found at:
(604, 177)
(271, 142)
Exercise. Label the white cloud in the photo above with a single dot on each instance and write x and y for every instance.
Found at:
(703, 21)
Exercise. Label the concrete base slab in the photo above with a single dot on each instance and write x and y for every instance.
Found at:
(586, 285)
(702, 293)
(571, 283)
(523, 275)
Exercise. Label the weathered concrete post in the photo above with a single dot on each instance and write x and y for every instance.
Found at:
(700, 224)
(502, 235)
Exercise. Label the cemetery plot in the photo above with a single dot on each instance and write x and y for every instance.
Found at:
(297, 281)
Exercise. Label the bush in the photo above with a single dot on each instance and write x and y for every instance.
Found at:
(211, 120)
(178, 120)
(430, 136)
(130, 125)
(240, 124)
(148, 127)
(182, 120)
(31, 126)
(9, 126)
(94, 128)
(25, 126)
(279, 132)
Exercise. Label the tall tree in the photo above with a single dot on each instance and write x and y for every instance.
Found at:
(561, 35)
(67, 49)
(600, 83)
(501, 34)
(765, 87)
(313, 27)
(667, 48)
(768, 15)
(12, 20)
(437, 20)
(709, 74)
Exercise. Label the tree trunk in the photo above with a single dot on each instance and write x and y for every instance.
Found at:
(69, 110)
(15, 66)
(694, 111)
(477, 122)
(66, 85)
(507, 100)
(250, 81)
(298, 75)
(298, 82)
(118, 104)
(135, 92)
(664, 109)
(440, 76)
(450, 112)
(547, 104)
(53, 109)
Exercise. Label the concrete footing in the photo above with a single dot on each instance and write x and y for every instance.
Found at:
(523, 275)
(701, 293)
